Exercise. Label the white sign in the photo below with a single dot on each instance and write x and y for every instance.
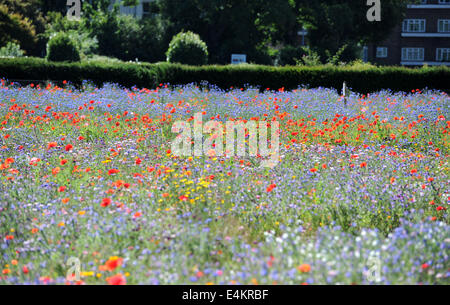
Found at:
(238, 59)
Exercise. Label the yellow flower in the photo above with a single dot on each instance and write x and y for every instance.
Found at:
(87, 273)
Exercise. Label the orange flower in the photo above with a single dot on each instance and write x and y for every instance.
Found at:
(51, 145)
(363, 164)
(56, 170)
(313, 170)
(304, 268)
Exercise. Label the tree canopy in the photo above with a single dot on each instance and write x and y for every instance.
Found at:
(261, 29)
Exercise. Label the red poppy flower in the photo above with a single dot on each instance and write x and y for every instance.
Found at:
(106, 202)
(117, 279)
(113, 262)
(271, 187)
(113, 171)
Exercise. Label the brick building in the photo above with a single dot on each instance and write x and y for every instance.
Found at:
(422, 38)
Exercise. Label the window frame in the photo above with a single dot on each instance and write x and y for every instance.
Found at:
(409, 23)
(410, 50)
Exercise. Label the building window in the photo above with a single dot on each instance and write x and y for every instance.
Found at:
(382, 52)
(365, 54)
(444, 25)
(413, 54)
(443, 54)
(146, 9)
(414, 25)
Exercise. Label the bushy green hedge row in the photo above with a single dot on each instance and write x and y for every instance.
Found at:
(362, 79)
(126, 74)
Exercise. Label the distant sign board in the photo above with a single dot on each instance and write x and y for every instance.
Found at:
(238, 59)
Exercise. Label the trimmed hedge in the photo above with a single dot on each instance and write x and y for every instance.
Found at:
(125, 74)
(147, 75)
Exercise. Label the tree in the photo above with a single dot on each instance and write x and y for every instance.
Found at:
(27, 21)
(15, 28)
(230, 26)
(59, 6)
(334, 23)
(125, 37)
(77, 31)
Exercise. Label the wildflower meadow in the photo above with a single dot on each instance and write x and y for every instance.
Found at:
(92, 192)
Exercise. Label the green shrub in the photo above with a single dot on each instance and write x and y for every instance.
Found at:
(11, 50)
(289, 55)
(61, 48)
(310, 58)
(187, 48)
